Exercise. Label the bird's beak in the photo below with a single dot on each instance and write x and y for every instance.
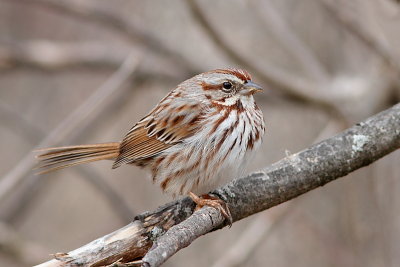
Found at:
(250, 87)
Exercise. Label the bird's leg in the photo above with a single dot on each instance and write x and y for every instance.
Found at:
(211, 201)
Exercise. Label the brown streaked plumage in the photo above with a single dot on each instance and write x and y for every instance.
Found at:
(198, 136)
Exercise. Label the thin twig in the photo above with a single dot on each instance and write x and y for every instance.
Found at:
(75, 120)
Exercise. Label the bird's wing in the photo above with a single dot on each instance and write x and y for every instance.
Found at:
(165, 126)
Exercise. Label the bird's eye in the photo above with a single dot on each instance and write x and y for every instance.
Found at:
(227, 86)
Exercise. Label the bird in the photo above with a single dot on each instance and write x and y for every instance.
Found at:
(198, 137)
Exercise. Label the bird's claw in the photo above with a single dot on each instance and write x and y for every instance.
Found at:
(215, 202)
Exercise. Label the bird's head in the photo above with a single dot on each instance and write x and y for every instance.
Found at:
(223, 87)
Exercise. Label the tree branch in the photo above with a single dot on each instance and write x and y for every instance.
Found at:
(158, 235)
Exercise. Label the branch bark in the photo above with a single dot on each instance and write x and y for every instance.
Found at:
(156, 236)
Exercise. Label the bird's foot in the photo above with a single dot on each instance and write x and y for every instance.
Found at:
(215, 202)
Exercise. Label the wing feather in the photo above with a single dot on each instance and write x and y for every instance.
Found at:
(158, 131)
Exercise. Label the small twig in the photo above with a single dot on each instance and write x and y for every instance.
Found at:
(127, 264)
(69, 124)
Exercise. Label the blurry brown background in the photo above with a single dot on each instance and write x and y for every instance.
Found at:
(325, 65)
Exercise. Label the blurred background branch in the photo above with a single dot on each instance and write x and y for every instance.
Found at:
(93, 13)
(33, 184)
(268, 14)
(52, 56)
(292, 85)
(356, 25)
(75, 120)
(23, 251)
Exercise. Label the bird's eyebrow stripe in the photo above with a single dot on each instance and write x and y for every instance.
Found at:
(240, 74)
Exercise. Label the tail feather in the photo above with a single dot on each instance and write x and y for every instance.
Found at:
(56, 158)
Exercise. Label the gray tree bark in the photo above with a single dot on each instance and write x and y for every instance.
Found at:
(153, 237)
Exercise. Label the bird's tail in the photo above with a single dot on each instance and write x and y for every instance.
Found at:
(56, 158)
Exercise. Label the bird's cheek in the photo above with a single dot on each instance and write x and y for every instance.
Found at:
(231, 100)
